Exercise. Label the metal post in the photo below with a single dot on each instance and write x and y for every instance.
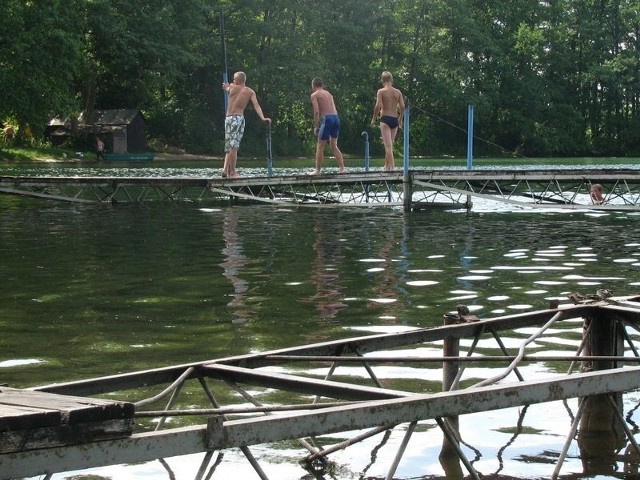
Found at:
(450, 348)
(269, 157)
(469, 146)
(367, 162)
(406, 184)
(366, 151)
(600, 436)
(405, 157)
(407, 192)
(225, 75)
(470, 138)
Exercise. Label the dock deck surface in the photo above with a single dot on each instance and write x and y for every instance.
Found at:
(33, 420)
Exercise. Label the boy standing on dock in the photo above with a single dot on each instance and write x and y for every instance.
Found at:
(326, 124)
(239, 97)
(390, 105)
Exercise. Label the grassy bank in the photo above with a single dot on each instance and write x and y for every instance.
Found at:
(37, 155)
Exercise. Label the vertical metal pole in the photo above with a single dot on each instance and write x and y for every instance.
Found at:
(225, 75)
(600, 437)
(470, 138)
(450, 370)
(367, 162)
(366, 151)
(405, 158)
(269, 157)
(406, 183)
(469, 146)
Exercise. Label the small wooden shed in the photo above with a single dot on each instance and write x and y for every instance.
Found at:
(122, 130)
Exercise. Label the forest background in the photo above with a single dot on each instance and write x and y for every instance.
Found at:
(546, 78)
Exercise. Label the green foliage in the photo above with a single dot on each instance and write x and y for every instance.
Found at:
(41, 56)
(546, 78)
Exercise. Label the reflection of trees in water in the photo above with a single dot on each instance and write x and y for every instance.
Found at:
(233, 264)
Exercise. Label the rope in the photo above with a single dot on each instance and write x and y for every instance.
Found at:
(466, 132)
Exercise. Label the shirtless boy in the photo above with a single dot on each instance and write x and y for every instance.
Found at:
(390, 106)
(239, 97)
(326, 124)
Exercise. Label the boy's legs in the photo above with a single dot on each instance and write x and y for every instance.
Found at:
(337, 153)
(387, 139)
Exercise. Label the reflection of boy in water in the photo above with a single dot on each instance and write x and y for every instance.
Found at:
(233, 265)
(325, 275)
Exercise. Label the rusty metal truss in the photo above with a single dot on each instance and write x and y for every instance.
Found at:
(238, 408)
(446, 188)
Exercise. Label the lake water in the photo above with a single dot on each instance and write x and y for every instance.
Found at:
(92, 290)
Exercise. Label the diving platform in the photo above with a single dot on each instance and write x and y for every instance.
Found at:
(237, 410)
(417, 189)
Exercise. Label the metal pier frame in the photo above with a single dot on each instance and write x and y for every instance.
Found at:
(418, 189)
(345, 406)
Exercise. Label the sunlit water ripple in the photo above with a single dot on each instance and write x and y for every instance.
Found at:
(97, 290)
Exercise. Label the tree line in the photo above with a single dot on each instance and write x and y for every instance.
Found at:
(545, 77)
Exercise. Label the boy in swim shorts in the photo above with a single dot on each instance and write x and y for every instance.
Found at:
(233, 131)
(326, 124)
(390, 105)
(239, 97)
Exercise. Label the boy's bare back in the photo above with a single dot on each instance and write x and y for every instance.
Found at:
(390, 98)
(323, 100)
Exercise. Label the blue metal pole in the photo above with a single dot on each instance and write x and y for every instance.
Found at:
(366, 151)
(470, 138)
(269, 157)
(405, 158)
(366, 161)
(225, 75)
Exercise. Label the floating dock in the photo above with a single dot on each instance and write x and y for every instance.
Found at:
(418, 189)
(234, 414)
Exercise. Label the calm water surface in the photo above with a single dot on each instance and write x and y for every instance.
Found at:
(93, 290)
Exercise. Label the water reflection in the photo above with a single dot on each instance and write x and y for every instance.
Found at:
(328, 247)
(600, 436)
(388, 271)
(233, 265)
(118, 278)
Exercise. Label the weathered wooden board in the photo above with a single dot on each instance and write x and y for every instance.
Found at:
(31, 419)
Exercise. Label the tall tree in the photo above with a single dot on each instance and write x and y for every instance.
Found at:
(42, 53)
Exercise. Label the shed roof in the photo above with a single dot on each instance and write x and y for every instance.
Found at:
(100, 118)
(110, 117)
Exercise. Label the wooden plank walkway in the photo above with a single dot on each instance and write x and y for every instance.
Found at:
(32, 420)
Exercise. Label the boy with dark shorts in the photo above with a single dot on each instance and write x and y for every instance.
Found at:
(326, 124)
(390, 104)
